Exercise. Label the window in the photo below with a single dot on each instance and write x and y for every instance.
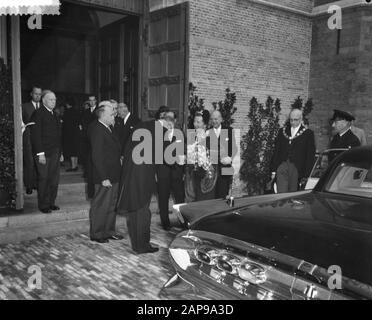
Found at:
(352, 179)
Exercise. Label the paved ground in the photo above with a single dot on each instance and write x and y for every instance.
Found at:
(75, 268)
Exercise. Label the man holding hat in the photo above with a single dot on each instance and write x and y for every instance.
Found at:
(344, 137)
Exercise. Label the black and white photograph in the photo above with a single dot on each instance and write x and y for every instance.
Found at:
(185, 150)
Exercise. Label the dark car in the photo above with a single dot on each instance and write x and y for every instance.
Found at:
(309, 245)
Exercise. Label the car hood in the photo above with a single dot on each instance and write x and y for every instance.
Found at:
(323, 229)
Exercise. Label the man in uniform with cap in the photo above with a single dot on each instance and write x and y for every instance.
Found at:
(344, 137)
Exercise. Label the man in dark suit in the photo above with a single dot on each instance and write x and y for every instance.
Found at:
(170, 172)
(87, 118)
(294, 154)
(138, 182)
(46, 146)
(124, 125)
(29, 168)
(344, 137)
(105, 155)
(223, 140)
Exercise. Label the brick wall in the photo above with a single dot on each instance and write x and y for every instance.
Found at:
(253, 49)
(342, 80)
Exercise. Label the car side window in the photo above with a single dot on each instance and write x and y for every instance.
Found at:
(352, 179)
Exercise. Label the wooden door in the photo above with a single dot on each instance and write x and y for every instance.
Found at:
(109, 63)
(167, 65)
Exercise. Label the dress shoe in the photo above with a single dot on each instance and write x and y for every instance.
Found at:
(100, 240)
(116, 237)
(150, 249)
(29, 191)
(72, 169)
(45, 211)
(55, 208)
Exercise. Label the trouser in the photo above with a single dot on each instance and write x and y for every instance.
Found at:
(287, 177)
(88, 172)
(169, 182)
(48, 180)
(139, 222)
(102, 214)
(223, 186)
(29, 166)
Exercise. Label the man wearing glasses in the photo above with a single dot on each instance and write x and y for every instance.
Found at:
(294, 154)
(344, 137)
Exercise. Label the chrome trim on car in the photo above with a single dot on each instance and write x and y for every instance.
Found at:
(237, 269)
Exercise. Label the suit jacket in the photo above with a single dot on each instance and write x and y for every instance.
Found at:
(105, 153)
(347, 140)
(46, 132)
(124, 131)
(301, 151)
(86, 119)
(28, 110)
(138, 182)
(228, 144)
(163, 169)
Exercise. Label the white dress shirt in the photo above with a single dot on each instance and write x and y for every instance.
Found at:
(294, 131)
(126, 118)
(217, 131)
(35, 104)
(341, 134)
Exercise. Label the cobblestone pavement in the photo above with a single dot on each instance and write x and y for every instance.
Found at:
(74, 268)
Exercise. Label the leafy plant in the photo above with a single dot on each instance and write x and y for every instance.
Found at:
(227, 108)
(258, 144)
(195, 104)
(7, 166)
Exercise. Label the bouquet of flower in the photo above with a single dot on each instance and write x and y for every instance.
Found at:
(198, 155)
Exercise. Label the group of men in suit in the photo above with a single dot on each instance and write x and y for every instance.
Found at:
(42, 143)
(294, 153)
(107, 135)
(122, 128)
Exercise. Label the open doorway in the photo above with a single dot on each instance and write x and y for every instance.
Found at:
(82, 51)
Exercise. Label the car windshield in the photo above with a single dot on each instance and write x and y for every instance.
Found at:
(352, 179)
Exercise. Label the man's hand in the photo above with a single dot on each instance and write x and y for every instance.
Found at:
(42, 159)
(107, 184)
(226, 161)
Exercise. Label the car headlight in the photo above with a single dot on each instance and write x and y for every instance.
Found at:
(206, 254)
(228, 263)
(252, 272)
